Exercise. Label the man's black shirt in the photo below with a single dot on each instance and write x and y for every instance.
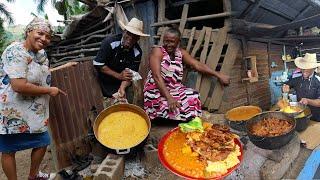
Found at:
(113, 55)
(307, 88)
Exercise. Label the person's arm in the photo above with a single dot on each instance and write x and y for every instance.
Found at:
(122, 88)
(312, 102)
(289, 84)
(63, 66)
(203, 68)
(22, 86)
(137, 59)
(101, 62)
(16, 67)
(155, 66)
(125, 75)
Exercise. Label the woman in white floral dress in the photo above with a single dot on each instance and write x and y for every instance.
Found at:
(24, 99)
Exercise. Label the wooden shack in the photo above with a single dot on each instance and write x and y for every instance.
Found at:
(231, 36)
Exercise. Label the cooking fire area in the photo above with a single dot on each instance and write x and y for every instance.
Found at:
(142, 162)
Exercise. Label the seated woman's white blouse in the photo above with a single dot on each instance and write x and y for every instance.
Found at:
(20, 113)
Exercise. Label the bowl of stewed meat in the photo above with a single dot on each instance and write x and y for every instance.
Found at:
(271, 130)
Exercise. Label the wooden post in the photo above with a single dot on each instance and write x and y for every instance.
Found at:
(227, 8)
(269, 58)
(191, 39)
(184, 17)
(161, 10)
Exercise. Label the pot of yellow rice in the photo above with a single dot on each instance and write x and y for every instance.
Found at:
(121, 127)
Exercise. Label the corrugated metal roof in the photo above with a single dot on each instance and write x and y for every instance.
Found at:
(69, 115)
(275, 12)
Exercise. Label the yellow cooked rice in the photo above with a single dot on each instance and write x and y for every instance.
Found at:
(122, 130)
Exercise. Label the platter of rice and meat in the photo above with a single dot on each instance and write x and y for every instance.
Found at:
(197, 150)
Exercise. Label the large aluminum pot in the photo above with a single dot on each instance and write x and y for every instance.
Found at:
(117, 108)
(298, 105)
(238, 117)
(302, 121)
(274, 142)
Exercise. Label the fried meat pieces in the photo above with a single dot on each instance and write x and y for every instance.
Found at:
(214, 144)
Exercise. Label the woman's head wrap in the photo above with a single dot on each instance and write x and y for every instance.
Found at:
(41, 24)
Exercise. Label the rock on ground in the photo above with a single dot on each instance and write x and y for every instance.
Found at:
(276, 170)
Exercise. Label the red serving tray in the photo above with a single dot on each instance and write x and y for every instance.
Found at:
(166, 164)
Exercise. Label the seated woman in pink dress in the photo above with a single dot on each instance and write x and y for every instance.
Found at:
(164, 94)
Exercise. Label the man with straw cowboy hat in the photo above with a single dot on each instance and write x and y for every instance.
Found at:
(306, 84)
(118, 58)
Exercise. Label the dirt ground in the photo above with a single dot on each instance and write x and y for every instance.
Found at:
(23, 164)
(298, 164)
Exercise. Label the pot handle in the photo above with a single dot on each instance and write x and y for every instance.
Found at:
(122, 151)
(235, 122)
(259, 139)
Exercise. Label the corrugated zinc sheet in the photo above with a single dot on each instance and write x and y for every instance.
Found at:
(70, 115)
(275, 12)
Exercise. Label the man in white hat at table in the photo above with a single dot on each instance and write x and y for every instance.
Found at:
(306, 84)
(118, 55)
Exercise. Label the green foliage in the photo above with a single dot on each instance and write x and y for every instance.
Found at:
(41, 4)
(33, 14)
(3, 11)
(61, 8)
(60, 29)
(66, 8)
(3, 37)
(75, 8)
(15, 33)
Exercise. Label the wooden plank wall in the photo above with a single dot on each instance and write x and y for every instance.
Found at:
(256, 93)
(218, 48)
(275, 55)
(70, 116)
(240, 93)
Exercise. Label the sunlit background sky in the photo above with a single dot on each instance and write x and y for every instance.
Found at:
(22, 9)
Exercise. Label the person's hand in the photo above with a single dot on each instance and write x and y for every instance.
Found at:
(173, 104)
(126, 75)
(285, 88)
(304, 101)
(224, 79)
(54, 91)
(282, 103)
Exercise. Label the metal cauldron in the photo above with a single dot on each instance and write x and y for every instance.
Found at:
(274, 142)
(240, 124)
(117, 108)
(303, 121)
(301, 107)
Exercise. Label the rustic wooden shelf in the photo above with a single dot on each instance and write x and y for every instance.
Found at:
(254, 72)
